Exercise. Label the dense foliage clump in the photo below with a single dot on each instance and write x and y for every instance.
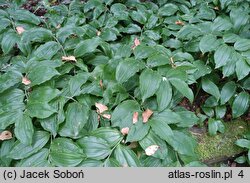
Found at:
(119, 83)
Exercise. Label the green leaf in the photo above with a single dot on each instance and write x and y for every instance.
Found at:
(221, 24)
(76, 82)
(240, 104)
(164, 94)
(188, 119)
(40, 109)
(38, 159)
(168, 9)
(208, 43)
(131, 29)
(9, 79)
(43, 94)
(120, 11)
(94, 147)
(167, 116)
(126, 69)
(214, 126)
(158, 60)
(20, 151)
(4, 152)
(227, 92)
(183, 143)
(239, 17)
(242, 68)
(183, 88)
(138, 131)
(111, 135)
(161, 128)
(90, 163)
(41, 73)
(76, 117)
(152, 139)
(242, 45)
(149, 86)
(8, 41)
(64, 152)
(244, 143)
(26, 16)
(24, 130)
(36, 35)
(123, 113)
(209, 87)
(143, 51)
(86, 46)
(47, 50)
(126, 157)
(222, 56)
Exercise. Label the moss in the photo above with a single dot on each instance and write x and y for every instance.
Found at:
(221, 145)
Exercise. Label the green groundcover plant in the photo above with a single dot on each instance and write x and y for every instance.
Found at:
(99, 82)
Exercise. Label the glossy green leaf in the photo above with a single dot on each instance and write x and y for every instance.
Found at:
(242, 69)
(111, 135)
(214, 126)
(40, 110)
(47, 50)
(208, 43)
(168, 9)
(137, 132)
(86, 46)
(243, 143)
(126, 69)
(227, 91)
(76, 117)
(164, 94)
(24, 130)
(20, 151)
(64, 152)
(8, 41)
(26, 16)
(183, 88)
(221, 24)
(9, 79)
(148, 87)
(240, 104)
(94, 147)
(126, 157)
(209, 87)
(161, 128)
(222, 56)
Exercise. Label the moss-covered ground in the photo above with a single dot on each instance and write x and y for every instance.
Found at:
(221, 145)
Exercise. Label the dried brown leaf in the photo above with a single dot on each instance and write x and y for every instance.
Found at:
(100, 107)
(26, 81)
(20, 29)
(125, 130)
(107, 116)
(136, 43)
(151, 150)
(69, 58)
(146, 115)
(135, 117)
(5, 135)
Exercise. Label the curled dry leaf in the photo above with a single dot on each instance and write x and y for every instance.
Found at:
(136, 43)
(178, 22)
(107, 116)
(125, 130)
(146, 115)
(69, 58)
(135, 117)
(98, 33)
(100, 107)
(26, 81)
(20, 29)
(101, 84)
(5, 135)
(151, 150)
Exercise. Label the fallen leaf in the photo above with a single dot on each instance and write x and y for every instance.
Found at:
(178, 22)
(58, 26)
(100, 107)
(5, 135)
(101, 84)
(20, 29)
(98, 33)
(136, 43)
(107, 116)
(69, 58)
(146, 115)
(135, 117)
(26, 81)
(125, 130)
(151, 150)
